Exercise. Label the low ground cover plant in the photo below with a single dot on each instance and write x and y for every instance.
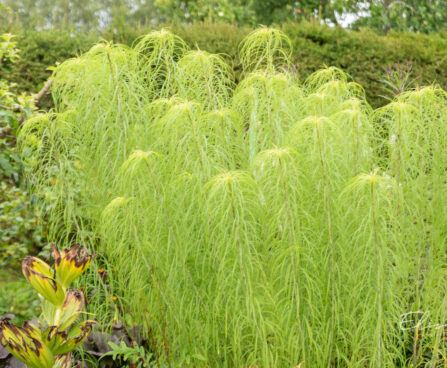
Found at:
(271, 222)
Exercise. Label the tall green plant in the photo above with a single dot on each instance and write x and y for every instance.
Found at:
(247, 225)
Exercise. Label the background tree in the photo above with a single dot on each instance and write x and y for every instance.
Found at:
(381, 15)
(416, 15)
(270, 11)
(239, 11)
(80, 14)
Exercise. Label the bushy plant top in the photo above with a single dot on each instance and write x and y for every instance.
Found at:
(364, 55)
(267, 222)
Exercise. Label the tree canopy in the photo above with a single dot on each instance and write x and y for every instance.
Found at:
(381, 15)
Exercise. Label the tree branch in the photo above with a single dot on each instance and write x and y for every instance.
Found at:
(45, 90)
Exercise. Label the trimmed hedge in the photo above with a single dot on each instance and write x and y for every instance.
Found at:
(363, 55)
(39, 50)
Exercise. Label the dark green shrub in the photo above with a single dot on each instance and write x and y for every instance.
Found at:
(39, 50)
(21, 231)
(365, 55)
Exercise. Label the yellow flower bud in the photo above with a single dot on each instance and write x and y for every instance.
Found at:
(71, 263)
(40, 276)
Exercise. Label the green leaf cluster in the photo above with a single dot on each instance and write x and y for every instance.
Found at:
(21, 230)
(264, 220)
(364, 55)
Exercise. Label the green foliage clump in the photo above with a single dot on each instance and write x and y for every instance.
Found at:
(17, 296)
(363, 55)
(41, 49)
(261, 222)
(21, 230)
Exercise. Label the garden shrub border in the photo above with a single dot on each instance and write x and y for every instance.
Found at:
(364, 55)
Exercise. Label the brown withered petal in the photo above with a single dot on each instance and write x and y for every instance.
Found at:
(56, 254)
(80, 256)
